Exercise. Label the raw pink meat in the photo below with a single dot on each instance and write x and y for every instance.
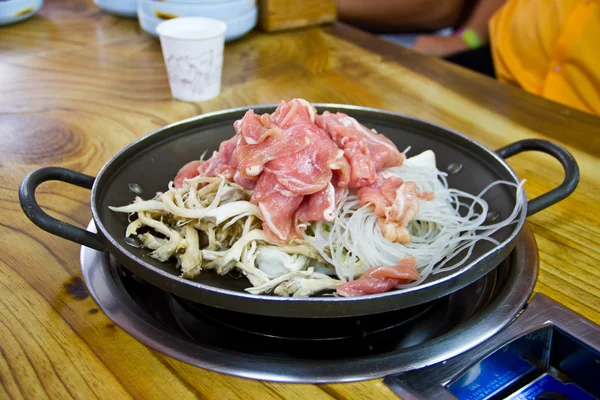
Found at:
(297, 112)
(302, 172)
(365, 150)
(396, 203)
(218, 164)
(310, 169)
(404, 208)
(300, 165)
(244, 182)
(381, 279)
(255, 128)
(382, 193)
(188, 171)
(361, 287)
(317, 207)
(253, 157)
(277, 206)
(262, 141)
(406, 204)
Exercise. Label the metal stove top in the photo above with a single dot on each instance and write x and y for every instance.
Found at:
(290, 350)
(547, 353)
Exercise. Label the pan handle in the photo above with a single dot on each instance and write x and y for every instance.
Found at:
(568, 162)
(35, 213)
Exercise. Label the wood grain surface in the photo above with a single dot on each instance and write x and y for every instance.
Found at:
(78, 84)
(277, 15)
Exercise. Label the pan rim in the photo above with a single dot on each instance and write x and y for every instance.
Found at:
(306, 300)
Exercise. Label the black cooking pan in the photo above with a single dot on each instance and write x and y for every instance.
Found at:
(148, 164)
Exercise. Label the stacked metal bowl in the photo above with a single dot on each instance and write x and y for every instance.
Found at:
(239, 15)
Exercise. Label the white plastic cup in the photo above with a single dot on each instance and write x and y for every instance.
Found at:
(193, 52)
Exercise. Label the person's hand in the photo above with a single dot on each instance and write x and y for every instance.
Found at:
(439, 46)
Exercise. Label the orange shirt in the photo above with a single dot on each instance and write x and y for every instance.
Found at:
(551, 48)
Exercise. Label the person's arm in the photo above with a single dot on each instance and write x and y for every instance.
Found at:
(443, 46)
(400, 15)
(479, 18)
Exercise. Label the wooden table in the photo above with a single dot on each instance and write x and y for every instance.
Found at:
(78, 84)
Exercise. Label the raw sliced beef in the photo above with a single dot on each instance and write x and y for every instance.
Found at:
(382, 193)
(188, 171)
(262, 141)
(309, 170)
(277, 206)
(365, 150)
(300, 165)
(381, 279)
(218, 164)
(318, 207)
(306, 173)
(396, 203)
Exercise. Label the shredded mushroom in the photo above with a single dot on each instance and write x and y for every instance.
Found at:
(209, 223)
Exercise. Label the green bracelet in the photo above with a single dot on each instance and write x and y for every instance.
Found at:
(470, 37)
